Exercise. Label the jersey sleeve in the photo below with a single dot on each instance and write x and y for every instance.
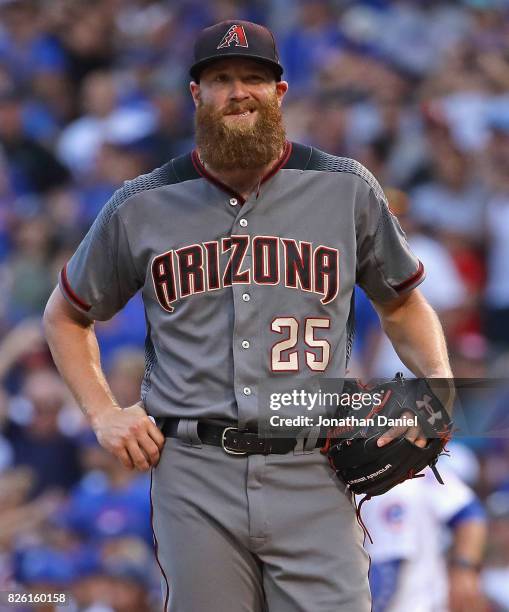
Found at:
(101, 277)
(386, 267)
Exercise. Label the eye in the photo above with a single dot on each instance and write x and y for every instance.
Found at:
(254, 78)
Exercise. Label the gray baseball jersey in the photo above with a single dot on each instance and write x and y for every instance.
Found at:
(240, 291)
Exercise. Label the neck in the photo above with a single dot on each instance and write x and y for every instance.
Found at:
(243, 181)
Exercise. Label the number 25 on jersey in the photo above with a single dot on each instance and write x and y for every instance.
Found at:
(290, 327)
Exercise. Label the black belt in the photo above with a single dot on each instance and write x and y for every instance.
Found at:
(237, 442)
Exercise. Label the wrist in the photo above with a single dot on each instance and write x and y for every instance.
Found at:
(463, 563)
(97, 414)
(443, 388)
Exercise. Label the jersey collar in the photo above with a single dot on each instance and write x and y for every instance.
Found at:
(202, 171)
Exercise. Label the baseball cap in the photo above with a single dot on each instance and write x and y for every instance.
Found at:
(235, 39)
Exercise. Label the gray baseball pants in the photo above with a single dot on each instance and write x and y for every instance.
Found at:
(255, 533)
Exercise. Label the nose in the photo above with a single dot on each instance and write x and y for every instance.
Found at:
(238, 91)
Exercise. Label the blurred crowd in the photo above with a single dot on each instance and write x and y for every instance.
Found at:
(95, 92)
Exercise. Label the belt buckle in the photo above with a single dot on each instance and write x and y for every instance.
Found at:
(228, 450)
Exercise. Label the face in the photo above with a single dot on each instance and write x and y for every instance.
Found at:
(237, 87)
(238, 114)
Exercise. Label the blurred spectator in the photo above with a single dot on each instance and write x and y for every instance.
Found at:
(497, 225)
(452, 201)
(26, 272)
(122, 582)
(390, 142)
(39, 444)
(124, 591)
(85, 30)
(20, 516)
(25, 45)
(468, 354)
(106, 119)
(110, 501)
(411, 526)
(80, 140)
(23, 346)
(31, 167)
(328, 125)
(122, 155)
(310, 43)
(174, 131)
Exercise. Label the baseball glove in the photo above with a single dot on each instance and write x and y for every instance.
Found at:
(371, 470)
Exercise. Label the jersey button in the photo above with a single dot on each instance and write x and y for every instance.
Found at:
(243, 223)
(234, 201)
(247, 391)
(245, 344)
(246, 297)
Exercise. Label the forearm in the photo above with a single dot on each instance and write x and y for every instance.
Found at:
(465, 592)
(416, 334)
(128, 432)
(74, 347)
(469, 542)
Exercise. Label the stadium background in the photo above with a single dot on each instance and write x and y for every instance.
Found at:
(95, 92)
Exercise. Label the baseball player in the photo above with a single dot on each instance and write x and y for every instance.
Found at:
(246, 251)
(408, 566)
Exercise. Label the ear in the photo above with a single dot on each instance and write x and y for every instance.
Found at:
(194, 88)
(281, 89)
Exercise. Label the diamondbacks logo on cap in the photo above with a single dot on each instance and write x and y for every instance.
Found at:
(235, 35)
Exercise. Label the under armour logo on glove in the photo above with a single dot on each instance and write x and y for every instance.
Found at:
(425, 404)
(236, 35)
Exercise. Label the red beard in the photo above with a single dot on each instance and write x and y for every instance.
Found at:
(226, 147)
